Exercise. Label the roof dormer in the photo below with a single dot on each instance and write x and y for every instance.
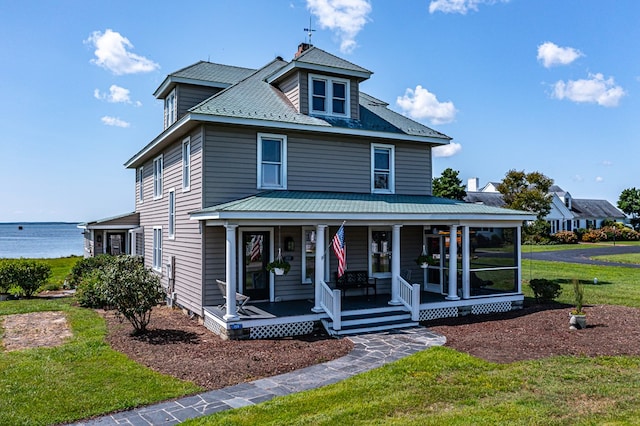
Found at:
(321, 84)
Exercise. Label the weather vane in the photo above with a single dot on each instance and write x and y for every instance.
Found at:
(309, 30)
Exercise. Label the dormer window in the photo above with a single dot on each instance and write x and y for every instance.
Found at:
(170, 115)
(328, 95)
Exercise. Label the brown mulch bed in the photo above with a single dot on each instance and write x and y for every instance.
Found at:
(183, 348)
(542, 331)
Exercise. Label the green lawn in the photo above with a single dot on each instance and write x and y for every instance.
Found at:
(82, 378)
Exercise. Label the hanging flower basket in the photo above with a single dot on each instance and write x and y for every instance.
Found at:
(424, 261)
(279, 267)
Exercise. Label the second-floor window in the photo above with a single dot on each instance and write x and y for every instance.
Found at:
(157, 177)
(328, 96)
(140, 176)
(186, 164)
(170, 113)
(382, 169)
(272, 161)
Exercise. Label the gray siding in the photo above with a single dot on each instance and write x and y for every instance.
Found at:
(413, 169)
(214, 264)
(189, 95)
(291, 88)
(186, 246)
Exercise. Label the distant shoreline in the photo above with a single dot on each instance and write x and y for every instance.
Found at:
(40, 223)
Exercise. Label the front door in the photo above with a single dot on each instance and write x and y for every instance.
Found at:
(254, 264)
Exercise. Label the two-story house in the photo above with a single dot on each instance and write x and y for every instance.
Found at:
(256, 164)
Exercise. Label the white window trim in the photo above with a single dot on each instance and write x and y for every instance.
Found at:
(140, 177)
(158, 180)
(392, 171)
(157, 249)
(329, 95)
(186, 164)
(170, 99)
(171, 229)
(370, 232)
(283, 169)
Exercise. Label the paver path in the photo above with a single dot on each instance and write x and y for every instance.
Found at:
(370, 351)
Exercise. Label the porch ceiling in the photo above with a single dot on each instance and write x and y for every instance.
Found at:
(291, 205)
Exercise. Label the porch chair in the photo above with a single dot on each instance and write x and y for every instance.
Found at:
(241, 299)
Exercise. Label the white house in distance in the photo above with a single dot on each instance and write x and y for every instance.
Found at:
(257, 164)
(567, 213)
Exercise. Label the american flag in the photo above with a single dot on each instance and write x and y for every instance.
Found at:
(256, 243)
(339, 250)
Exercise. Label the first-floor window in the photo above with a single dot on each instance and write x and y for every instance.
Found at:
(172, 214)
(157, 249)
(308, 255)
(380, 248)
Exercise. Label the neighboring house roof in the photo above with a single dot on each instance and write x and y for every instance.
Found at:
(595, 209)
(493, 199)
(353, 206)
(123, 221)
(204, 74)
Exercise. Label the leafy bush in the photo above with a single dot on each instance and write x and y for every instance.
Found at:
(545, 290)
(565, 237)
(594, 236)
(90, 292)
(26, 274)
(86, 266)
(132, 290)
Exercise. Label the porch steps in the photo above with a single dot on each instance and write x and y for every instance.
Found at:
(359, 323)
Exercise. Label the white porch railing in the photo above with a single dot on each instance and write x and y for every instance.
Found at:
(409, 295)
(330, 301)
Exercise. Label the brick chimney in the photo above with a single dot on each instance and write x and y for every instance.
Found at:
(301, 48)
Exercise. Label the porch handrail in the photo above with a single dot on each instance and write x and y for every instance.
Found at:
(409, 295)
(330, 301)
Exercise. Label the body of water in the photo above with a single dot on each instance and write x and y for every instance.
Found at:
(40, 240)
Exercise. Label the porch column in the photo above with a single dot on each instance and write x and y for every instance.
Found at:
(104, 242)
(319, 267)
(453, 263)
(395, 265)
(466, 261)
(230, 273)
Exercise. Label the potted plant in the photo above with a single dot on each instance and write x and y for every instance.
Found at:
(279, 266)
(425, 260)
(578, 317)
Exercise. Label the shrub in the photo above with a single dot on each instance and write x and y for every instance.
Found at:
(26, 274)
(565, 237)
(594, 236)
(6, 275)
(86, 266)
(90, 292)
(545, 290)
(132, 290)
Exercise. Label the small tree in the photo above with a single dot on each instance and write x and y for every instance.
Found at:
(527, 191)
(629, 203)
(448, 185)
(132, 290)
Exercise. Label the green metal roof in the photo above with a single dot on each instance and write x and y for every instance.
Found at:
(288, 204)
(316, 56)
(204, 73)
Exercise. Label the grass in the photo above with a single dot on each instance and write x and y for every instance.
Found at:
(60, 268)
(82, 378)
(633, 258)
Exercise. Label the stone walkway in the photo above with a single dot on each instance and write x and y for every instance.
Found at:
(370, 351)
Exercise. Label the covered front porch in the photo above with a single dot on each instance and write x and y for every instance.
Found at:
(474, 261)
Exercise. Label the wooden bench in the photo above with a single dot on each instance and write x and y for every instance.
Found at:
(356, 280)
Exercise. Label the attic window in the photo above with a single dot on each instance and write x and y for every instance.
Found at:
(170, 115)
(328, 95)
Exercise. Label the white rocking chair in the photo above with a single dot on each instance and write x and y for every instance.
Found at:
(241, 299)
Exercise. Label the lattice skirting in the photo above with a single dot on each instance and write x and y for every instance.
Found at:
(488, 308)
(214, 326)
(431, 314)
(281, 330)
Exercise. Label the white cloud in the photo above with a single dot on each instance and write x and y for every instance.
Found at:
(446, 150)
(116, 95)
(599, 179)
(112, 53)
(420, 104)
(595, 89)
(459, 6)
(607, 163)
(551, 54)
(578, 178)
(114, 121)
(345, 17)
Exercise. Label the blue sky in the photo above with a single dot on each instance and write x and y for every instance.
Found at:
(534, 85)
